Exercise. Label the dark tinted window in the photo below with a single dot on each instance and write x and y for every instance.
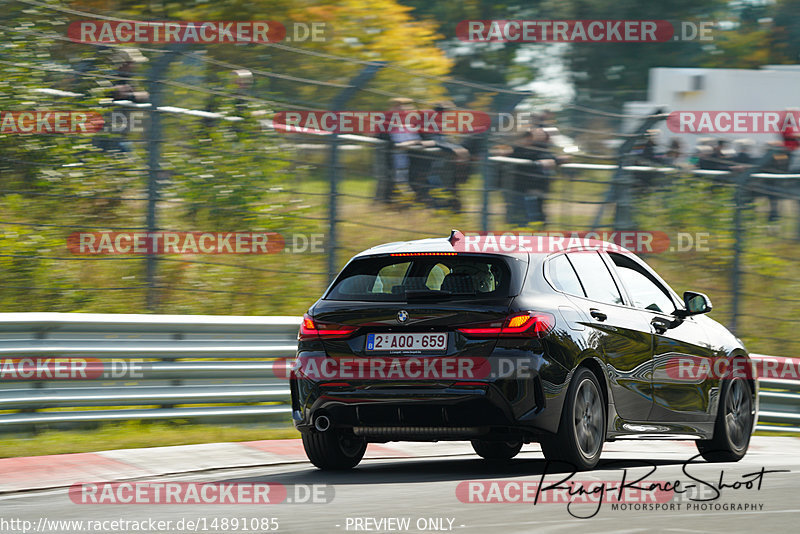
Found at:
(391, 279)
(595, 277)
(563, 276)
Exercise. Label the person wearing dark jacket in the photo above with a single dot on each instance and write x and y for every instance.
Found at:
(405, 159)
(450, 164)
(529, 184)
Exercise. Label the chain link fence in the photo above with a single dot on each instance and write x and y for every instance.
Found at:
(199, 153)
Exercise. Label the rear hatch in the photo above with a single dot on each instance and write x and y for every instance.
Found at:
(418, 305)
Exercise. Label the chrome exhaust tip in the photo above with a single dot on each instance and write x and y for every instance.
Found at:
(322, 423)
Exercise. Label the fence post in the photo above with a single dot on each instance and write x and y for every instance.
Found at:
(154, 139)
(338, 102)
(333, 178)
(486, 169)
(737, 250)
(740, 182)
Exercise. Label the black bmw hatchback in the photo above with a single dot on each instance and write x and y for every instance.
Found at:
(570, 348)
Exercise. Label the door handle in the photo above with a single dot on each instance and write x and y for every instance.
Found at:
(597, 314)
(660, 325)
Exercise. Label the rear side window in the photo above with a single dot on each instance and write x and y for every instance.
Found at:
(563, 276)
(400, 278)
(595, 277)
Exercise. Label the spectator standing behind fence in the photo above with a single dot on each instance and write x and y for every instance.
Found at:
(648, 151)
(405, 160)
(126, 61)
(743, 158)
(723, 156)
(782, 162)
(450, 165)
(743, 151)
(674, 154)
(526, 186)
(714, 155)
(646, 154)
(243, 82)
(702, 151)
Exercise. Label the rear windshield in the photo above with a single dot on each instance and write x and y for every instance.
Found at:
(403, 278)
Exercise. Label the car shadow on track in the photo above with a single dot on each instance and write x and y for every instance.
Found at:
(385, 471)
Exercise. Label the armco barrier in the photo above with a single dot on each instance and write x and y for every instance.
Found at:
(198, 367)
(215, 368)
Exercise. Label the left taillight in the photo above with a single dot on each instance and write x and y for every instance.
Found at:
(313, 329)
(520, 325)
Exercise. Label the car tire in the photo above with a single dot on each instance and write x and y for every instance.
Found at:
(582, 430)
(496, 450)
(333, 450)
(733, 425)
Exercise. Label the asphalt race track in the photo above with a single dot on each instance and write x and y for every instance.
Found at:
(423, 494)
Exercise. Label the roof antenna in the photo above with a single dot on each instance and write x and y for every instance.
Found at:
(455, 236)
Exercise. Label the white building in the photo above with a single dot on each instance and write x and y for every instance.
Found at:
(770, 88)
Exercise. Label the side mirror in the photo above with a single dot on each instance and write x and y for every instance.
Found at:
(696, 304)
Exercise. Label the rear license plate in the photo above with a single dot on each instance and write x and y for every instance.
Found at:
(406, 342)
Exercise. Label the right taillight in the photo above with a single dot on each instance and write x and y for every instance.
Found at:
(313, 329)
(520, 325)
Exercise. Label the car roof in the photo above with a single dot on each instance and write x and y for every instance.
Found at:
(545, 246)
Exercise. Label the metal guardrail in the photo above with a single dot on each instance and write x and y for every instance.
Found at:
(779, 405)
(198, 367)
(126, 367)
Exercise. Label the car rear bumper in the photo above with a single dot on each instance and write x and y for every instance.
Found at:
(427, 410)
